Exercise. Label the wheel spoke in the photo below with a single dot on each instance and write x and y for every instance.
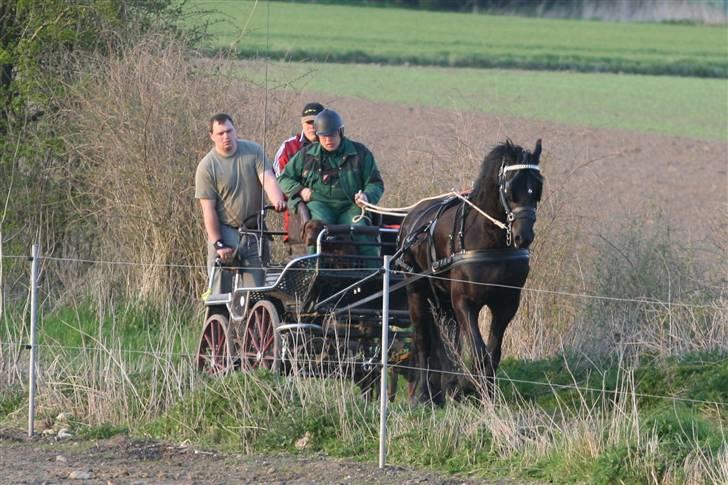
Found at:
(259, 345)
(213, 356)
(259, 318)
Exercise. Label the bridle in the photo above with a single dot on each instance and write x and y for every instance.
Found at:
(504, 188)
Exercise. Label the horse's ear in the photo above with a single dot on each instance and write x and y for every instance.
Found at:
(537, 150)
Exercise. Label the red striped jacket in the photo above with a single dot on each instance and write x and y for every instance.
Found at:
(287, 149)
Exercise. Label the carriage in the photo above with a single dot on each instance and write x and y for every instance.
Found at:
(317, 314)
(321, 314)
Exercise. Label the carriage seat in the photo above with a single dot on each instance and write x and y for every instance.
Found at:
(297, 219)
(297, 222)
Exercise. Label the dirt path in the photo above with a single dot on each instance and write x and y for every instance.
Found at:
(123, 460)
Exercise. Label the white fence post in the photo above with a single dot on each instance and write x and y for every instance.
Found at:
(385, 358)
(33, 347)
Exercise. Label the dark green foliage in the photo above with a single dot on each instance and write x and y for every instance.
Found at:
(613, 466)
(561, 8)
(37, 37)
(505, 60)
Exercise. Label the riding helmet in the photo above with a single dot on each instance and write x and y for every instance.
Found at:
(328, 122)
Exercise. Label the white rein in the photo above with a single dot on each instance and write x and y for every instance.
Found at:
(403, 211)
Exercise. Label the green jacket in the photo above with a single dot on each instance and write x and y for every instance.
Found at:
(357, 171)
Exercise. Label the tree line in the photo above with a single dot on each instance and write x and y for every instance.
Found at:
(623, 10)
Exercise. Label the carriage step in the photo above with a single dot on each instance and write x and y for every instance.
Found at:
(219, 299)
(271, 278)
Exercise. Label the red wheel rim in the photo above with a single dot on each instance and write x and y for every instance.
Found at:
(213, 355)
(259, 345)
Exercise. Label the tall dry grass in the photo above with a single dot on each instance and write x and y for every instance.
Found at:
(137, 127)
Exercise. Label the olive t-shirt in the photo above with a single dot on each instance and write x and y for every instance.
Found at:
(232, 182)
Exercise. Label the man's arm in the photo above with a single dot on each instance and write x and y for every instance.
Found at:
(212, 227)
(291, 180)
(272, 190)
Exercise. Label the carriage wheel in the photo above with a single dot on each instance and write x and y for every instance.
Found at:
(215, 352)
(260, 343)
(303, 352)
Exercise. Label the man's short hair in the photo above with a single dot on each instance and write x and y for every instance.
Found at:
(220, 118)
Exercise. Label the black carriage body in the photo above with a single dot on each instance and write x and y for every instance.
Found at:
(319, 314)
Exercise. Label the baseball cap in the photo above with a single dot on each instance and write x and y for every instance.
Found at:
(311, 110)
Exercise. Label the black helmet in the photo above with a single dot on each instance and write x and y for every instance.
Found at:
(327, 122)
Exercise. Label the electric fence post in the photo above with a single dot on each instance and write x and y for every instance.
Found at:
(33, 347)
(385, 357)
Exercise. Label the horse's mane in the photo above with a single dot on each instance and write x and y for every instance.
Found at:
(488, 178)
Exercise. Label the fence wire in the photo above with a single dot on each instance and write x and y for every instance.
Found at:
(313, 363)
(526, 289)
(354, 362)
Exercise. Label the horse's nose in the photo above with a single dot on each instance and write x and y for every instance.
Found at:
(522, 241)
(517, 241)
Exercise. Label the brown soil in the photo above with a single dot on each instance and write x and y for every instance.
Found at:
(124, 460)
(600, 179)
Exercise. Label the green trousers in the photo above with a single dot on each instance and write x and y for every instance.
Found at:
(342, 213)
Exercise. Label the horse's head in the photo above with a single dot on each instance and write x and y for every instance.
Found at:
(519, 185)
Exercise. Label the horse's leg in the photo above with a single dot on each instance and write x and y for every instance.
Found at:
(473, 351)
(448, 351)
(501, 316)
(427, 382)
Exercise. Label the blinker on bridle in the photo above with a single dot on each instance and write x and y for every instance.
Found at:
(503, 184)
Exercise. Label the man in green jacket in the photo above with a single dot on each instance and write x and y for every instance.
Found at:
(333, 176)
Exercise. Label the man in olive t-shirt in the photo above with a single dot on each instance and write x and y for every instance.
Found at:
(228, 184)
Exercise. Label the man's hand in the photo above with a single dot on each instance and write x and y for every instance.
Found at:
(279, 205)
(306, 194)
(360, 199)
(225, 253)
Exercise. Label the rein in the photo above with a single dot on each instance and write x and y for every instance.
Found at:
(403, 211)
(503, 185)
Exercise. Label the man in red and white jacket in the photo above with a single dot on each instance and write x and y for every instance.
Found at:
(291, 146)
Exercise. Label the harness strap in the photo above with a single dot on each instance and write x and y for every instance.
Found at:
(467, 257)
(478, 256)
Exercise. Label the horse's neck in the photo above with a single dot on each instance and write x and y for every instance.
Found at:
(482, 233)
(488, 201)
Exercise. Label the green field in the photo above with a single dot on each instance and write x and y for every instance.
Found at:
(677, 106)
(392, 36)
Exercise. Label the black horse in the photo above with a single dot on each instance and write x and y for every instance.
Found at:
(460, 257)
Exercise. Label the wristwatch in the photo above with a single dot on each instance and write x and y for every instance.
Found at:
(219, 244)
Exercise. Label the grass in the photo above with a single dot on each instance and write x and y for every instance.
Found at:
(558, 434)
(394, 36)
(688, 107)
(566, 418)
